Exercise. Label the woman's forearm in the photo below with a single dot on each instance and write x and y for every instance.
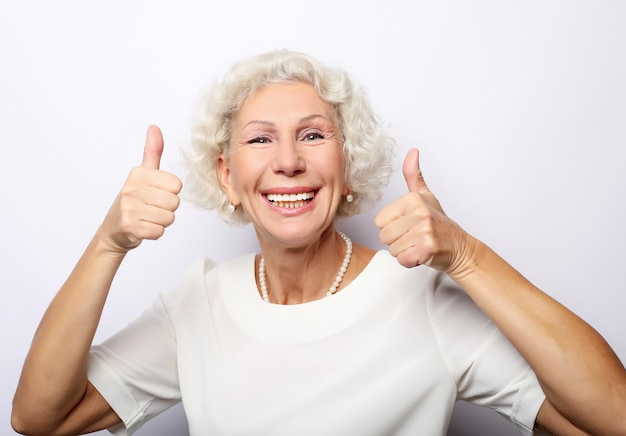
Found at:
(581, 375)
(54, 377)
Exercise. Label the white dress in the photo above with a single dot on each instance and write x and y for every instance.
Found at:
(387, 355)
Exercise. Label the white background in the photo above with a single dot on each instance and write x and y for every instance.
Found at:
(519, 109)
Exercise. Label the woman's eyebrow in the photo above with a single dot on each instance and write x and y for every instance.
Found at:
(313, 116)
(271, 124)
(266, 123)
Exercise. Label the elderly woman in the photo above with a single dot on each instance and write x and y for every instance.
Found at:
(314, 335)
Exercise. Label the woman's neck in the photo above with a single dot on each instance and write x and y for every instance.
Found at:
(303, 274)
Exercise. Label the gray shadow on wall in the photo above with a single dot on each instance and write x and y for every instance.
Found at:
(467, 420)
(471, 420)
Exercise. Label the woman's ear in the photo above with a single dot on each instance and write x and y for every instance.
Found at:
(225, 178)
(347, 189)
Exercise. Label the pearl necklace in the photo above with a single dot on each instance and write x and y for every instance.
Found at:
(331, 290)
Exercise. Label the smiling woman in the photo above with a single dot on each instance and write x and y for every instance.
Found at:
(315, 334)
(285, 142)
(346, 116)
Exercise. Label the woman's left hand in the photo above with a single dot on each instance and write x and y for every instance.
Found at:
(417, 230)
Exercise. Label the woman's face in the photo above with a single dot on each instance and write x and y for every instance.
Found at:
(286, 165)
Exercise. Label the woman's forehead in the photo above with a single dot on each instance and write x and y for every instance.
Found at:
(281, 100)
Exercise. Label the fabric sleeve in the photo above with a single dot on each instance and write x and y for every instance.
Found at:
(136, 369)
(487, 369)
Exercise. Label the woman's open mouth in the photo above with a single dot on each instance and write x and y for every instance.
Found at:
(291, 201)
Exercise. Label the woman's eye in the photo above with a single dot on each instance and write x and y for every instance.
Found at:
(313, 136)
(259, 140)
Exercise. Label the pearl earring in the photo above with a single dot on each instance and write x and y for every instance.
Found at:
(349, 198)
(230, 208)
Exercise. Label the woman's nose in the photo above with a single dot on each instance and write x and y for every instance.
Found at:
(288, 158)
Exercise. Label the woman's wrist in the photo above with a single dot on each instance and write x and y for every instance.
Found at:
(469, 257)
(103, 245)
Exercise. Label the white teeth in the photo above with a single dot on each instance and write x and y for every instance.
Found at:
(290, 200)
(290, 204)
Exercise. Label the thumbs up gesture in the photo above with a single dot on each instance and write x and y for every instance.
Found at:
(146, 203)
(415, 227)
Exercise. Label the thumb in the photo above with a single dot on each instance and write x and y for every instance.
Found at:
(153, 148)
(412, 172)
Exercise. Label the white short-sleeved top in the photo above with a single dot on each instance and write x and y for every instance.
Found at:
(388, 354)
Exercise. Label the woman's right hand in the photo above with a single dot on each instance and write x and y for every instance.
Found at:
(146, 203)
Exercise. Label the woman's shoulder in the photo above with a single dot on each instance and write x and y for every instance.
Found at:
(206, 265)
(203, 271)
(380, 271)
(384, 263)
